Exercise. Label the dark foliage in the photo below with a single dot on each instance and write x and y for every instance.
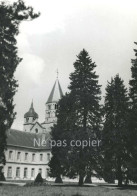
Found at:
(132, 147)
(38, 178)
(79, 118)
(10, 18)
(115, 132)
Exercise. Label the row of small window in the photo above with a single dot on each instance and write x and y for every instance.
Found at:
(9, 172)
(51, 114)
(56, 107)
(36, 130)
(33, 119)
(26, 156)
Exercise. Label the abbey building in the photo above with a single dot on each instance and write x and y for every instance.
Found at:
(24, 160)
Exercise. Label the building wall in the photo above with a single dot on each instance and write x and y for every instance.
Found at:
(36, 129)
(28, 123)
(14, 161)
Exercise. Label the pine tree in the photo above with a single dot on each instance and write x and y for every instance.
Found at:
(115, 132)
(10, 18)
(55, 169)
(60, 132)
(38, 178)
(133, 120)
(79, 119)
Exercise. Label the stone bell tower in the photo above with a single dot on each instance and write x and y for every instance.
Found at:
(52, 105)
(30, 118)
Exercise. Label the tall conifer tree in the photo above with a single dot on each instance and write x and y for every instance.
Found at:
(115, 132)
(133, 120)
(10, 18)
(79, 118)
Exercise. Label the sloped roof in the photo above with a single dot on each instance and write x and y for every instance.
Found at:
(35, 125)
(56, 93)
(31, 112)
(26, 139)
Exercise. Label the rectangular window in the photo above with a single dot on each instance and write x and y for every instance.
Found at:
(41, 157)
(17, 172)
(32, 172)
(10, 154)
(40, 171)
(9, 174)
(18, 156)
(33, 157)
(25, 172)
(26, 156)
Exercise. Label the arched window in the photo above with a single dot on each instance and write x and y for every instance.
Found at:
(26, 156)
(36, 130)
(10, 154)
(33, 157)
(25, 172)
(56, 106)
(33, 172)
(18, 155)
(40, 171)
(47, 172)
(48, 156)
(9, 174)
(41, 157)
(49, 107)
(18, 172)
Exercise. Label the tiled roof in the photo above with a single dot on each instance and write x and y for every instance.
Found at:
(26, 139)
(56, 93)
(31, 112)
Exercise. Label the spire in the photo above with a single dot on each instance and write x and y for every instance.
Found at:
(57, 73)
(31, 112)
(56, 92)
(31, 104)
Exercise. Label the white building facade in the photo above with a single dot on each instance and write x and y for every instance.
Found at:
(25, 155)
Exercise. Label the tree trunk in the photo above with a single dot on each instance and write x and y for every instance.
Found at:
(119, 173)
(88, 179)
(81, 180)
(2, 177)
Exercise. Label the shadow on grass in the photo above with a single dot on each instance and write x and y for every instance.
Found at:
(73, 185)
(124, 187)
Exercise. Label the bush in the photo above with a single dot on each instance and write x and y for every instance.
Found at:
(38, 179)
(58, 180)
(2, 177)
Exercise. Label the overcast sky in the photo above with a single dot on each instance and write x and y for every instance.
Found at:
(107, 29)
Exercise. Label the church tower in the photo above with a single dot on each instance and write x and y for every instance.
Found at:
(52, 105)
(30, 118)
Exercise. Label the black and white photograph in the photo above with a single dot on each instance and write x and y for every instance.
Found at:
(68, 97)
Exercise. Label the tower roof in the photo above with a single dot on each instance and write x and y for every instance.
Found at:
(56, 93)
(31, 112)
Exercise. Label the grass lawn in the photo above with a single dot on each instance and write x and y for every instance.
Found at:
(65, 190)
